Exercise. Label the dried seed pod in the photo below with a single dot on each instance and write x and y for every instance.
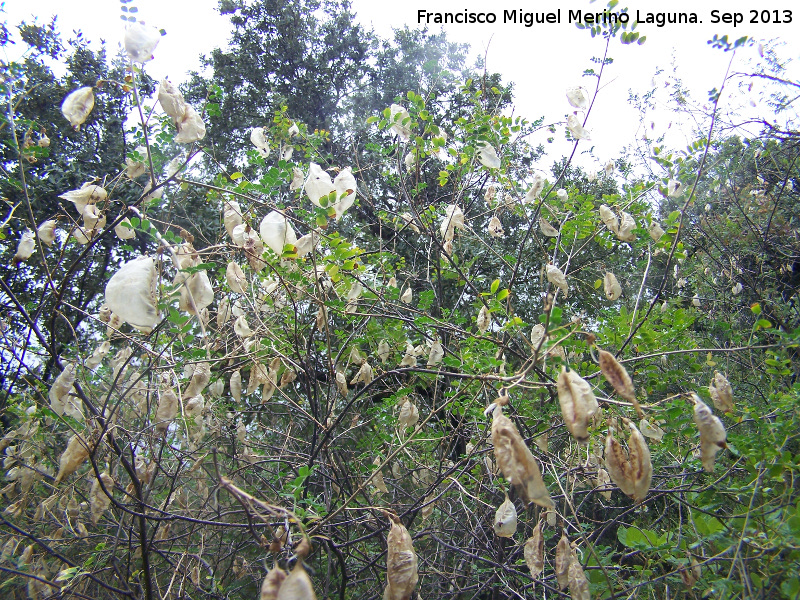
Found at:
(384, 351)
(652, 431)
(97, 356)
(166, 411)
(74, 455)
(534, 551)
(46, 232)
(131, 293)
(631, 471)
(609, 218)
(578, 404)
(436, 354)
(712, 433)
(578, 585)
(611, 286)
(547, 229)
(241, 328)
(61, 388)
(341, 383)
(495, 228)
(200, 378)
(563, 559)
(515, 460)
(626, 227)
(236, 278)
(272, 583)
(619, 379)
(505, 519)
(603, 482)
(407, 296)
(721, 393)
(365, 375)
(401, 562)
(355, 356)
(297, 586)
(377, 479)
(99, 501)
(655, 230)
(557, 278)
(484, 319)
(409, 414)
(427, 508)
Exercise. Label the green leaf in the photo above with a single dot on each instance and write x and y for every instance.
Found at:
(237, 175)
(495, 285)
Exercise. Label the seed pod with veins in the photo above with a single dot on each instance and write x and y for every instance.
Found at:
(578, 404)
(534, 551)
(619, 379)
(514, 458)
(505, 519)
(631, 471)
(721, 392)
(401, 562)
(563, 559)
(712, 433)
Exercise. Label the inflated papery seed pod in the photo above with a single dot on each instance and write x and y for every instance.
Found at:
(377, 479)
(236, 278)
(712, 433)
(131, 293)
(652, 431)
(603, 481)
(98, 355)
(626, 227)
(495, 228)
(655, 230)
(99, 501)
(236, 385)
(611, 286)
(557, 278)
(200, 378)
(563, 559)
(534, 551)
(631, 471)
(578, 585)
(365, 375)
(46, 232)
(384, 351)
(167, 410)
(74, 455)
(721, 392)
(619, 379)
(401, 562)
(484, 319)
(409, 414)
(61, 388)
(231, 215)
(505, 519)
(578, 404)
(297, 586)
(241, 328)
(609, 218)
(547, 229)
(196, 293)
(515, 460)
(272, 583)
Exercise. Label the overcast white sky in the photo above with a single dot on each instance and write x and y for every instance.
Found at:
(542, 61)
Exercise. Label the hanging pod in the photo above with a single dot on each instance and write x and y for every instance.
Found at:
(167, 410)
(99, 501)
(578, 584)
(578, 403)
(74, 455)
(712, 433)
(557, 278)
(409, 414)
(131, 293)
(611, 286)
(514, 458)
(619, 379)
(563, 558)
(484, 319)
(505, 519)
(401, 562)
(721, 392)
(534, 551)
(631, 471)
(609, 219)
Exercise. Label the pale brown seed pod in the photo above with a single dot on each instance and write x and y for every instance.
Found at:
(534, 551)
(297, 586)
(236, 385)
(74, 455)
(401, 562)
(578, 585)
(167, 410)
(578, 404)
(99, 501)
(611, 286)
(563, 558)
(619, 379)
(505, 519)
(200, 378)
(377, 479)
(721, 392)
(631, 471)
(712, 433)
(515, 460)
(235, 277)
(603, 482)
(272, 583)
(409, 414)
